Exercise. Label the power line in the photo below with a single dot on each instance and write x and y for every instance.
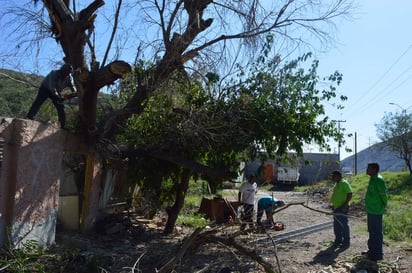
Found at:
(378, 81)
(387, 90)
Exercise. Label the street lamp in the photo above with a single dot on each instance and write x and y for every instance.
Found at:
(403, 109)
(404, 112)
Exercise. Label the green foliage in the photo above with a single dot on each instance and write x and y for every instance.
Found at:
(197, 187)
(190, 215)
(400, 183)
(271, 107)
(17, 92)
(156, 180)
(310, 188)
(193, 220)
(24, 259)
(398, 218)
(283, 105)
(220, 123)
(359, 184)
(30, 257)
(395, 131)
(397, 222)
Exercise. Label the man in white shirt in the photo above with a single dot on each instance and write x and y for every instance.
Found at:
(246, 198)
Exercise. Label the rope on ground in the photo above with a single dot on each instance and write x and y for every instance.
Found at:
(317, 210)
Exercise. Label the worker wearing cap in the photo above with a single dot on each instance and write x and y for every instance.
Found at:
(267, 205)
(341, 195)
(51, 88)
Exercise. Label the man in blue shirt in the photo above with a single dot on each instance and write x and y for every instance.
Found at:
(267, 205)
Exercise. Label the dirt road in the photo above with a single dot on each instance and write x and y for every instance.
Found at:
(311, 253)
(141, 247)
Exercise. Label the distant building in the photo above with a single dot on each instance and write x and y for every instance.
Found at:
(320, 167)
(313, 167)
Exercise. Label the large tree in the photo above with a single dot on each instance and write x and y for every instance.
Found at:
(271, 108)
(176, 36)
(182, 33)
(395, 130)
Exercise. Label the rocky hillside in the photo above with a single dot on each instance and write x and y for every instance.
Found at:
(379, 153)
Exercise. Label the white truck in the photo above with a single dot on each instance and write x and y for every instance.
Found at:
(287, 176)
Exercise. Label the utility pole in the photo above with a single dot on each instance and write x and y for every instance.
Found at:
(339, 121)
(356, 154)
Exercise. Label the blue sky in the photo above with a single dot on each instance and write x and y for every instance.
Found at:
(374, 54)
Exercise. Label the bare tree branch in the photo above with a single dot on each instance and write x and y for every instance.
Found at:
(28, 83)
(116, 21)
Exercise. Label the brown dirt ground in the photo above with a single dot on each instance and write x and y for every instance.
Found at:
(138, 245)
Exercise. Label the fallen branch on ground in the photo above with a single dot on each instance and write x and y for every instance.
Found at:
(317, 210)
(220, 235)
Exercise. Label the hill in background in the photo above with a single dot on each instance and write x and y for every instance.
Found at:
(379, 153)
(17, 92)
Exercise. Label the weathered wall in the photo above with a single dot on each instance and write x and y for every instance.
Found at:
(29, 181)
(320, 168)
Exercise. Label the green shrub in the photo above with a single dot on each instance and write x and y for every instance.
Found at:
(24, 259)
(397, 223)
(193, 220)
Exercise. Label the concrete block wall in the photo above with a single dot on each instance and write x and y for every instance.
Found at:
(29, 181)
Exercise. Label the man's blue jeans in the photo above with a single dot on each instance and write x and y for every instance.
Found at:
(247, 217)
(42, 95)
(341, 227)
(375, 241)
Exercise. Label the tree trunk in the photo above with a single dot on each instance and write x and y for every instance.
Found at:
(408, 164)
(92, 185)
(173, 211)
(212, 185)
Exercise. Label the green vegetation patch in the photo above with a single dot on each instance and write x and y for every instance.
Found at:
(193, 220)
(397, 222)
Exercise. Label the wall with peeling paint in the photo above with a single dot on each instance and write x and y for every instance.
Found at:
(29, 181)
